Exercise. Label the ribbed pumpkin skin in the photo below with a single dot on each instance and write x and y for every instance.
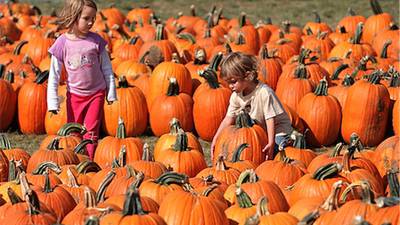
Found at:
(53, 122)
(209, 109)
(298, 88)
(284, 174)
(189, 209)
(387, 152)
(393, 50)
(159, 80)
(8, 104)
(165, 108)
(366, 112)
(396, 117)
(232, 137)
(109, 148)
(374, 25)
(131, 107)
(322, 115)
(32, 108)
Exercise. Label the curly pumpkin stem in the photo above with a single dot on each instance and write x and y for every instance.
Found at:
(45, 166)
(100, 196)
(72, 181)
(385, 49)
(173, 87)
(322, 88)
(247, 176)
(209, 189)
(238, 152)
(69, 128)
(211, 77)
(81, 147)
(367, 196)
(327, 171)
(338, 70)
(168, 178)
(243, 199)
(216, 60)
(187, 37)
(87, 166)
(243, 120)
(332, 201)
(132, 204)
(336, 150)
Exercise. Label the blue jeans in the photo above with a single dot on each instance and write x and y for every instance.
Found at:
(281, 140)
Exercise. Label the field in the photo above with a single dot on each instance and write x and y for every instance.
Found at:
(299, 12)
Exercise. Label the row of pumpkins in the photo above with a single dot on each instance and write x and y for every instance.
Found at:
(352, 72)
(127, 184)
(167, 76)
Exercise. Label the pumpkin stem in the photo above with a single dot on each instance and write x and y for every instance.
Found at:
(169, 177)
(358, 33)
(238, 152)
(262, 210)
(342, 30)
(100, 196)
(348, 80)
(317, 16)
(220, 164)
(122, 82)
(310, 218)
(243, 199)
(286, 27)
(367, 196)
(89, 198)
(338, 70)
(139, 178)
(242, 19)
(70, 128)
(375, 77)
(132, 204)
(247, 176)
(13, 170)
(301, 72)
(211, 77)
(14, 198)
(376, 7)
(240, 39)
(160, 32)
(187, 37)
(130, 172)
(121, 131)
(173, 87)
(350, 12)
(332, 202)
(87, 166)
(244, 120)
(47, 187)
(322, 88)
(385, 48)
(81, 147)
(92, 220)
(181, 143)
(327, 171)
(200, 56)
(174, 126)
(336, 150)
(72, 181)
(216, 60)
(393, 182)
(147, 156)
(33, 203)
(45, 166)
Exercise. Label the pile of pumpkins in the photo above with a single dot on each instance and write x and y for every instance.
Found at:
(336, 85)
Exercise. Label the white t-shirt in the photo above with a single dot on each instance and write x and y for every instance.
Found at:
(261, 104)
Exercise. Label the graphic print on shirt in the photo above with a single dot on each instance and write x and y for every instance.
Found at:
(81, 59)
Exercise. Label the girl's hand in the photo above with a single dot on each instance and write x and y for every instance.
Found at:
(212, 149)
(269, 150)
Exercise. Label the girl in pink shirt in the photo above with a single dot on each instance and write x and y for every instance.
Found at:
(90, 76)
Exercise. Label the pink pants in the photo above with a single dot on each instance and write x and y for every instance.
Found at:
(87, 110)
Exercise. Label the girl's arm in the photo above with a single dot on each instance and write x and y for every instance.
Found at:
(269, 148)
(228, 120)
(108, 75)
(52, 86)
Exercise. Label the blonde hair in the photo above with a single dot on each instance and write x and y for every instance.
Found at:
(239, 65)
(72, 11)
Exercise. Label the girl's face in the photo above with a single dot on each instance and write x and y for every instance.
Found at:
(239, 84)
(86, 20)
